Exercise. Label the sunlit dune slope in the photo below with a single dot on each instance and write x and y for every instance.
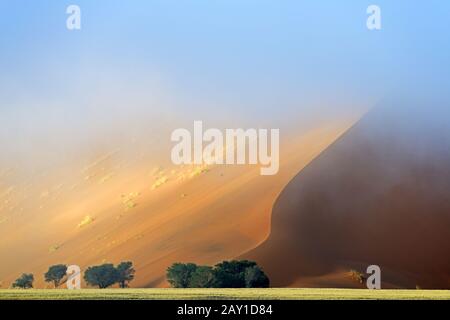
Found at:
(379, 195)
(113, 210)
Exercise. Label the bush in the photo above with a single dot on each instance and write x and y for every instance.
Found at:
(55, 274)
(231, 274)
(227, 274)
(125, 273)
(24, 282)
(357, 276)
(256, 278)
(202, 277)
(102, 276)
(179, 274)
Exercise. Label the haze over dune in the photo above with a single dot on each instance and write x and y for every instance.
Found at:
(379, 195)
(119, 207)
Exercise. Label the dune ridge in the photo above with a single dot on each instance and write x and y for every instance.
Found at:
(378, 195)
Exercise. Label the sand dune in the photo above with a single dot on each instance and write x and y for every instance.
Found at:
(379, 195)
(111, 209)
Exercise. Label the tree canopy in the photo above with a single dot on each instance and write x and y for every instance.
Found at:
(179, 274)
(125, 273)
(231, 274)
(55, 274)
(107, 274)
(25, 281)
(102, 276)
(227, 274)
(255, 278)
(202, 277)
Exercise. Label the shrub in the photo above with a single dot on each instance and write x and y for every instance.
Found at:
(256, 278)
(102, 276)
(227, 274)
(24, 282)
(202, 277)
(179, 274)
(125, 273)
(55, 274)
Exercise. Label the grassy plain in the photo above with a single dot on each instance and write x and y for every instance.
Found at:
(226, 294)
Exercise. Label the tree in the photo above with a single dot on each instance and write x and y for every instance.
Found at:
(24, 282)
(227, 274)
(202, 277)
(125, 272)
(179, 274)
(256, 278)
(102, 276)
(231, 274)
(55, 274)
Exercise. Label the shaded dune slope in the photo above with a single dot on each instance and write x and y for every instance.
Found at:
(379, 195)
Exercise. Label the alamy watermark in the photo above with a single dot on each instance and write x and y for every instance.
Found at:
(234, 146)
(73, 21)
(73, 277)
(374, 20)
(374, 280)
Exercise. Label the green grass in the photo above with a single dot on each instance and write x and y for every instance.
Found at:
(227, 294)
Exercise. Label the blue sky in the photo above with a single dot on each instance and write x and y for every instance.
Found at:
(254, 60)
